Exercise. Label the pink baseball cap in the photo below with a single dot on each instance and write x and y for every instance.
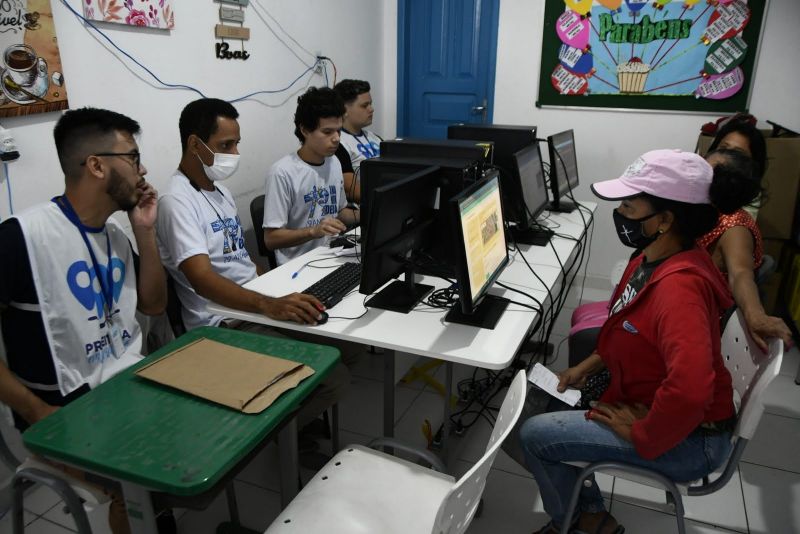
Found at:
(669, 174)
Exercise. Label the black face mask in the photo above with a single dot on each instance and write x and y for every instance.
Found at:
(630, 231)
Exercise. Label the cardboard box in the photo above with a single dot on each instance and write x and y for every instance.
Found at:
(234, 377)
(781, 181)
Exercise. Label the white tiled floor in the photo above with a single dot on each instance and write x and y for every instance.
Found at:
(763, 498)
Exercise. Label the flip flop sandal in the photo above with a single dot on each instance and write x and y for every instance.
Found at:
(619, 530)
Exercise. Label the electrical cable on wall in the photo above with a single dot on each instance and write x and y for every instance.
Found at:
(89, 23)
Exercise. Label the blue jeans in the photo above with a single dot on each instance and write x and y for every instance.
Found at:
(564, 436)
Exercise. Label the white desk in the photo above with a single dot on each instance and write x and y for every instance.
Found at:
(424, 332)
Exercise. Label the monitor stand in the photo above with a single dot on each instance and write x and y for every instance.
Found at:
(562, 206)
(486, 315)
(400, 297)
(531, 236)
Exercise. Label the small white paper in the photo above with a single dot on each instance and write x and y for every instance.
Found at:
(547, 380)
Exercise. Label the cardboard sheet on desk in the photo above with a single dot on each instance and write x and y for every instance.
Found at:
(240, 379)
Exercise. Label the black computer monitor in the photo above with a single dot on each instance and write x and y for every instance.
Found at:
(563, 170)
(528, 172)
(482, 254)
(508, 139)
(376, 172)
(401, 221)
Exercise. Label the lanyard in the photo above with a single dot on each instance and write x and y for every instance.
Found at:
(107, 285)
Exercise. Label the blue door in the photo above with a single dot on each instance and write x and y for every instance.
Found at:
(446, 64)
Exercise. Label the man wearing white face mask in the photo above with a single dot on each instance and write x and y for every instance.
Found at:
(200, 236)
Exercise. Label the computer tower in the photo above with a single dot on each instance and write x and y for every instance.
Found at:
(507, 140)
(454, 175)
(404, 147)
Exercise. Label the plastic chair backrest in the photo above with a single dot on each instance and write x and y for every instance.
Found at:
(751, 371)
(257, 214)
(174, 309)
(458, 508)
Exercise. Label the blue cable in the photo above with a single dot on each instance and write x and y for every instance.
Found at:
(8, 185)
(177, 86)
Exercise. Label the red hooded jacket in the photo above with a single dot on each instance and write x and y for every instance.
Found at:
(663, 350)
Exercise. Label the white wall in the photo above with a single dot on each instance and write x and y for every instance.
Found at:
(608, 141)
(96, 76)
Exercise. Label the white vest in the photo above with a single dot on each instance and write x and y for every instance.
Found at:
(86, 347)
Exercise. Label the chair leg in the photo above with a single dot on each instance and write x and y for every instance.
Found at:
(64, 490)
(677, 500)
(335, 428)
(573, 499)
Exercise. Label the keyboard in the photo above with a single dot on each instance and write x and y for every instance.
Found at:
(331, 289)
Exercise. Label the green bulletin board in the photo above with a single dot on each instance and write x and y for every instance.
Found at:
(678, 55)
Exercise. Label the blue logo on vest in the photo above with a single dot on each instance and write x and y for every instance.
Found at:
(629, 327)
(86, 288)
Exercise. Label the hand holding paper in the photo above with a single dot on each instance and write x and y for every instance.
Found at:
(547, 380)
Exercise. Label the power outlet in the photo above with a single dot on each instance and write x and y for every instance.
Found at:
(318, 67)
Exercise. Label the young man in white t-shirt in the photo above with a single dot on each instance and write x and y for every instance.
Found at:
(201, 240)
(305, 192)
(359, 143)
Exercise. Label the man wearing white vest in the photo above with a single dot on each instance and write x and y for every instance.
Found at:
(68, 287)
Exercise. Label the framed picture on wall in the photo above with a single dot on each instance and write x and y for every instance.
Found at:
(679, 55)
(31, 79)
(140, 13)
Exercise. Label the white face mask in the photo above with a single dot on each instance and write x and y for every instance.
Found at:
(224, 165)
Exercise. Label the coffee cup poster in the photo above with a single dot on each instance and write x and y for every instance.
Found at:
(32, 80)
(683, 55)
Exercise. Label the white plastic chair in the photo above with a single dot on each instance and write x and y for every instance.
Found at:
(76, 494)
(366, 491)
(752, 371)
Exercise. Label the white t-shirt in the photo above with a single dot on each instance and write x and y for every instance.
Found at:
(299, 195)
(360, 147)
(192, 222)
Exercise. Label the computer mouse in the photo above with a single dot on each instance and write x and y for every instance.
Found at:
(323, 318)
(341, 241)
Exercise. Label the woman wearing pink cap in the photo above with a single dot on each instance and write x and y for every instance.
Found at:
(669, 404)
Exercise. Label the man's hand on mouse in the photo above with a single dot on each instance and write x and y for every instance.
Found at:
(328, 226)
(297, 307)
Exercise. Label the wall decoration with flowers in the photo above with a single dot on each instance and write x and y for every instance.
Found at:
(141, 13)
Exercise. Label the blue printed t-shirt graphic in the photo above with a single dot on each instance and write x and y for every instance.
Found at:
(233, 236)
(369, 149)
(323, 197)
(85, 285)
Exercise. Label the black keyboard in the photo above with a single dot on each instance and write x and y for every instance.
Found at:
(331, 289)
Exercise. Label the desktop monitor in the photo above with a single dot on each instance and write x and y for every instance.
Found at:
(530, 176)
(507, 139)
(563, 170)
(375, 172)
(401, 220)
(481, 254)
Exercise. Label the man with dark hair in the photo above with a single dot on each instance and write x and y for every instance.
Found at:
(201, 240)
(305, 193)
(358, 142)
(69, 297)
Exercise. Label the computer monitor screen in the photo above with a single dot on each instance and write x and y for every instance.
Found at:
(508, 139)
(483, 254)
(563, 166)
(401, 222)
(528, 166)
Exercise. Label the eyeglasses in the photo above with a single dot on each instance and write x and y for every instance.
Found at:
(136, 160)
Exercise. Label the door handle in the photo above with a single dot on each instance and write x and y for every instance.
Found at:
(483, 110)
